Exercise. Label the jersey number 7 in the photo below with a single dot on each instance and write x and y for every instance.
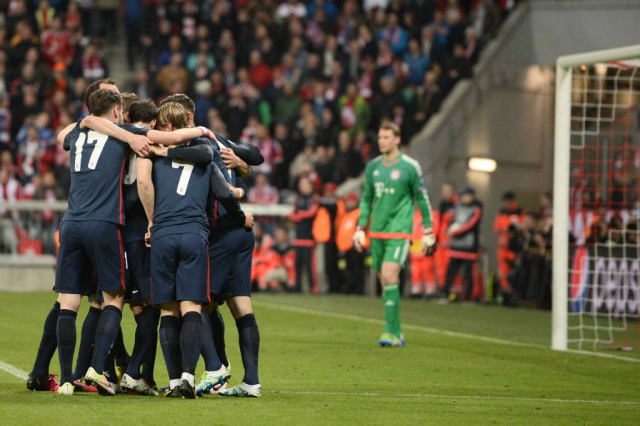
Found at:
(94, 138)
(184, 176)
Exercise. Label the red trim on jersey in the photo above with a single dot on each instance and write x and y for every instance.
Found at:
(303, 243)
(215, 214)
(208, 276)
(121, 173)
(390, 235)
(467, 226)
(122, 265)
(390, 163)
(463, 255)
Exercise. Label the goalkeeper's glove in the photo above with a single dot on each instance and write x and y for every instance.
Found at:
(359, 238)
(429, 245)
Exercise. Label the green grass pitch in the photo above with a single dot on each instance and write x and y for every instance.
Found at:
(320, 364)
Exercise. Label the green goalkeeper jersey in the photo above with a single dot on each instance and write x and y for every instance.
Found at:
(390, 189)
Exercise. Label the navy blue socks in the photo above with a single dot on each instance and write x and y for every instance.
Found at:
(66, 332)
(48, 343)
(249, 347)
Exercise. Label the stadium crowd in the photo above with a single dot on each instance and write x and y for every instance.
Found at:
(308, 83)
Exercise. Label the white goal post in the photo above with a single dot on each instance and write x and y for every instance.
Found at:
(566, 65)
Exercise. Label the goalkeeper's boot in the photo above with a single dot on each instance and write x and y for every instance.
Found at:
(46, 383)
(186, 391)
(385, 339)
(99, 381)
(138, 386)
(397, 341)
(65, 389)
(245, 390)
(210, 379)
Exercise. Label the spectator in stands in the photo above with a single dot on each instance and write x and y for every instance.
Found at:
(509, 216)
(305, 209)
(427, 100)
(282, 263)
(56, 43)
(263, 193)
(355, 113)
(545, 211)
(94, 66)
(348, 163)
(464, 232)
(49, 192)
(351, 261)
(329, 213)
(270, 149)
(172, 72)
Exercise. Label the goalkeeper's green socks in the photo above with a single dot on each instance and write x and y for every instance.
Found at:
(391, 302)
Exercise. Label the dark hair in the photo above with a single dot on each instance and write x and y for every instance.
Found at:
(508, 196)
(93, 87)
(143, 111)
(128, 98)
(182, 99)
(102, 100)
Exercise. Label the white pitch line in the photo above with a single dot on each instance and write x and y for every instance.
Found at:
(13, 370)
(431, 330)
(421, 395)
(23, 375)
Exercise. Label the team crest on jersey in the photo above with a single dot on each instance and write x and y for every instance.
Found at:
(395, 175)
(376, 173)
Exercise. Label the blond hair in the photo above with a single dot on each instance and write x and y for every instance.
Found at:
(391, 126)
(173, 113)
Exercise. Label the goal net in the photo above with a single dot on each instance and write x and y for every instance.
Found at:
(596, 247)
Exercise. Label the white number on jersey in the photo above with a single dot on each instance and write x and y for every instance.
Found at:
(227, 170)
(132, 174)
(93, 137)
(184, 176)
(379, 189)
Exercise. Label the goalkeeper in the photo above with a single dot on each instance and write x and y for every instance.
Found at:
(392, 182)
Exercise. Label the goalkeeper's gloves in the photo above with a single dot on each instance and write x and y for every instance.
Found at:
(359, 238)
(429, 245)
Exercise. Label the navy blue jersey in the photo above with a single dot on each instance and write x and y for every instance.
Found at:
(216, 213)
(135, 215)
(97, 164)
(181, 191)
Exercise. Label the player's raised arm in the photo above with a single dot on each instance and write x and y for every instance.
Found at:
(419, 192)
(138, 143)
(198, 152)
(63, 134)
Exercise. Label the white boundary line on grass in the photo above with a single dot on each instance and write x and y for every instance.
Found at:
(23, 375)
(454, 397)
(431, 330)
(13, 370)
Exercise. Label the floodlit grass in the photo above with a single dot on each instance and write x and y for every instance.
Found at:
(320, 364)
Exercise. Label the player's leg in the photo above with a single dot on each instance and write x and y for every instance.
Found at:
(249, 340)
(87, 339)
(39, 379)
(120, 354)
(239, 304)
(216, 373)
(467, 273)
(192, 290)
(72, 275)
(146, 337)
(390, 256)
(452, 271)
(170, 344)
(107, 256)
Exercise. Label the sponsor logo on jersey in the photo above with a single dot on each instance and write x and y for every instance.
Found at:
(395, 175)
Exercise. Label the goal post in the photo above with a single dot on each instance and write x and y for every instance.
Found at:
(597, 82)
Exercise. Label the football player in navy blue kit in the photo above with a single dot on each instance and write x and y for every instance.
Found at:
(90, 235)
(231, 250)
(175, 205)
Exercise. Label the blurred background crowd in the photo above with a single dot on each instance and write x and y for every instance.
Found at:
(309, 83)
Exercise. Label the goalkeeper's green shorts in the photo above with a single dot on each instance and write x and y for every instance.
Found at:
(395, 250)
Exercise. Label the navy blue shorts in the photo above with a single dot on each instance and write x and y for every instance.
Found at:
(230, 253)
(179, 269)
(139, 263)
(85, 247)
